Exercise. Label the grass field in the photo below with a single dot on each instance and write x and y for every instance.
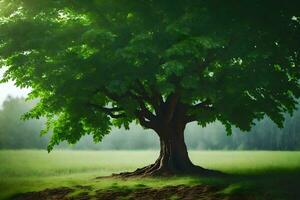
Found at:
(276, 175)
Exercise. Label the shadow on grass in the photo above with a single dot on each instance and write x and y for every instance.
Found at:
(273, 184)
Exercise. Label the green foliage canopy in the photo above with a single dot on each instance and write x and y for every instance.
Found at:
(102, 63)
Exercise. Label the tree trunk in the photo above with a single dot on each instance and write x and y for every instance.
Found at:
(173, 158)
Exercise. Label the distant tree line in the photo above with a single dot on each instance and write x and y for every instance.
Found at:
(18, 134)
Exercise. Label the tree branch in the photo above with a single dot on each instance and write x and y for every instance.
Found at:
(204, 105)
(153, 99)
(145, 123)
(171, 102)
(140, 99)
(157, 99)
(109, 111)
(143, 113)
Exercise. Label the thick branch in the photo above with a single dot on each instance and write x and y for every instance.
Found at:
(171, 102)
(145, 111)
(158, 99)
(145, 116)
(155, 99)
(144, 122)
(141, 96)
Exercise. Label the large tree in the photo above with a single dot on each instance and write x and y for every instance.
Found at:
(163, 63)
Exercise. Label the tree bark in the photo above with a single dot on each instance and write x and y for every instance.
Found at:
(173, 158)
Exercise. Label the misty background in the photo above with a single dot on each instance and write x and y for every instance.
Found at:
(18, 134)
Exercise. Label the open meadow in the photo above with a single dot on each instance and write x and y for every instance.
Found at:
(156, 82)
(252, 174)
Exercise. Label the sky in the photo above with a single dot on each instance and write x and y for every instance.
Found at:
(9, 88)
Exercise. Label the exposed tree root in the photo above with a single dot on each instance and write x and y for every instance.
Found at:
(157, 170)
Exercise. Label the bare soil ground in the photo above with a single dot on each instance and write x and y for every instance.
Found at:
(182, 192)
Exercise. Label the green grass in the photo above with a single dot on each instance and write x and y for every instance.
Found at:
(275, 173)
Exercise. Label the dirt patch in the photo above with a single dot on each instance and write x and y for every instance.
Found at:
(176, 192)
(48, 194)
(182, 192)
